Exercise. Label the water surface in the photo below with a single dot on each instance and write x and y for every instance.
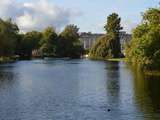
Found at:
(77, 90)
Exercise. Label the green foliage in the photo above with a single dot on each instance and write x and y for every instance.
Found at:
(108, 46)
(113, 23)
(69, 44)
(29, 42)
(144, 48)
(48, 42)
(101, 48)
(8, 37)
(86, 51)
(152, 16)
(70, 33)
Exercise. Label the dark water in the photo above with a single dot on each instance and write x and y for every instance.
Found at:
(77, 90)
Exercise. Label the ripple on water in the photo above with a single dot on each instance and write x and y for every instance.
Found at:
(75, 90)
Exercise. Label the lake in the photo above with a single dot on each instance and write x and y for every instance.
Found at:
(77, 90)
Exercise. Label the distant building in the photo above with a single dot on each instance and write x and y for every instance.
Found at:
(88, 39)
(124, 38)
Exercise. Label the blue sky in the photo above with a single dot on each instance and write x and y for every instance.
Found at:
(95, 12)
(90, 15)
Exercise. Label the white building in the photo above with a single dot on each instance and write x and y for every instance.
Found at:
(88, 39)
(124, 37)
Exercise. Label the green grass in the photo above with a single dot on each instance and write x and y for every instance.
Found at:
(108, 59)
(117, 59)
(6, 60)
(152, 73)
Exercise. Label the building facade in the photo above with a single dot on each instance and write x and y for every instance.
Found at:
(88, 39)
(124, 38)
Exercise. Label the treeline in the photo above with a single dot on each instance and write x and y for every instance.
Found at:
(40, 44)
(144, 48)
(108, 46)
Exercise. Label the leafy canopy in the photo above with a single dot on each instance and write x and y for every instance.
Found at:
(108, 46)
(144, 48)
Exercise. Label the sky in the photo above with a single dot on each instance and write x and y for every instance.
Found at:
(88, 15)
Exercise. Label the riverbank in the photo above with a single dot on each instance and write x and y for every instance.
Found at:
(109, 59)
(152, 73)
(146, 72)
(4, 60)
(117, 59)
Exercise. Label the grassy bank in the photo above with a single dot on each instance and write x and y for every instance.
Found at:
(7, 59)
(152, 73)
(108, 59)
(146, 72)
(117, 59)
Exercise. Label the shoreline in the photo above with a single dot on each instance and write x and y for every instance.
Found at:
(146, 72)
(5, 60)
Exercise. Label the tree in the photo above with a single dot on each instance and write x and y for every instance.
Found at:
(101, 49)
(152, 16)
(144, 48)
(69, 44)
(30, 41)
(49, 41)
(113, 28)
(8, 35)
(46, 43)
(108, 46)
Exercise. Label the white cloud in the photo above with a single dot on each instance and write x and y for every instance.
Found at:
(35, 15)
(26, 21)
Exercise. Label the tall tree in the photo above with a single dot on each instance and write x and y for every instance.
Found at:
(8, 36)
(70, 45)
(49, 41)
(144, 48)
(29, 42)
(113, 28)
(108, 46)
(152, 16)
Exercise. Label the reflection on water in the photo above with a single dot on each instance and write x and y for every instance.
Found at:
(147, 94)
(113, 76)
(77, 90)
(7, 76)
(113, 85)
